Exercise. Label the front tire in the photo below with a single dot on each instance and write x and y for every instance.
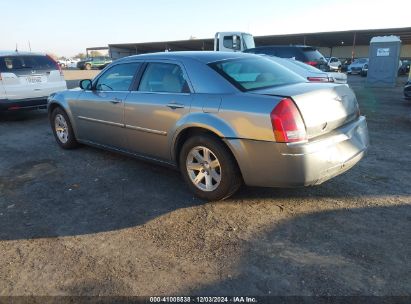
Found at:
(208, 168)
(88, 66)
(62, 129)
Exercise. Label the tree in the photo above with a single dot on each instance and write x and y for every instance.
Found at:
(95, 54)
(80, 56)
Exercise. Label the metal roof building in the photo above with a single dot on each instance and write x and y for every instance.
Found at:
(339, 44)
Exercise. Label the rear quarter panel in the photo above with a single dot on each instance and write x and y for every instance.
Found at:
(248, 115)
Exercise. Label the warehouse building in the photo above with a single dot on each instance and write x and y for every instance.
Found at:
(342, 44)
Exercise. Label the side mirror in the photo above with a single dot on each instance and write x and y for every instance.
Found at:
(85, 84)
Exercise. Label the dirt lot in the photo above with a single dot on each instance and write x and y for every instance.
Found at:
(89, 222)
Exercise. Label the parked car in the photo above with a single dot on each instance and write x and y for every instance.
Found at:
(309, 72)
(303, 53)
(345, 63)
(68, 63)
(334, 63)
(27, 79)
(99, 62)
(221, 118)
(405, 67)
(364, 70)
(357, 66)
(407, 89)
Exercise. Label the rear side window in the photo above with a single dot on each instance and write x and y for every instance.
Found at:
(15, 63)
(255, 73)
(164, 77)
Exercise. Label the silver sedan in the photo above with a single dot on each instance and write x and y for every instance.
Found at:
(223, 119)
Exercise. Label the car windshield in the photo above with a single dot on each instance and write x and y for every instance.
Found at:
(248, 41)
(255, 73)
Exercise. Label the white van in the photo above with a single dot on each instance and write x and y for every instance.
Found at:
(27, 79)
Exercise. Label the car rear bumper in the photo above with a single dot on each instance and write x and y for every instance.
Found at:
(270, 164)
(23, 104)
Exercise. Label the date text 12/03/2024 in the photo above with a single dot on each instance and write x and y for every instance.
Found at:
(203, 300)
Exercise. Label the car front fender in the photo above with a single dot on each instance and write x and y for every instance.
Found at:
(62, 100)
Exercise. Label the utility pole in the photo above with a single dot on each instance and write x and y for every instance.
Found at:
(353, 47)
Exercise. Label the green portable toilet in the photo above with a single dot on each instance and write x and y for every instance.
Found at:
(384, 58)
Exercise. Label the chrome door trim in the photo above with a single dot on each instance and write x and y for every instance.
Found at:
(158, 132)
(111, 123)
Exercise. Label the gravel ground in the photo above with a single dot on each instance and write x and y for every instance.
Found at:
(90, 222)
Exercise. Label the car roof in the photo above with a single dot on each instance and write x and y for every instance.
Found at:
(202, 56)
(18, 53)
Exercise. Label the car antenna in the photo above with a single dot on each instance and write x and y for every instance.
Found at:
(17, 48)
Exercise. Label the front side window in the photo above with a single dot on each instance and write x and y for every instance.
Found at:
(255, 73)
(164, 77)
(117, 78)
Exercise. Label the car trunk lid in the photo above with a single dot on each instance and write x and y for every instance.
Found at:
(323, 107)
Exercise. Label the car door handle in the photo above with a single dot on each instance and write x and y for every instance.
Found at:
(116, 100)
(174, 105)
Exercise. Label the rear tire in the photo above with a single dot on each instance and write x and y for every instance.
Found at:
(88, 66)
(62, 129)
(208, 168)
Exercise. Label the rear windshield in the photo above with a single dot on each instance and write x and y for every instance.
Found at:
(313, 54)
(360, 60)
(305, 66)
(15, 63)
(255, 73)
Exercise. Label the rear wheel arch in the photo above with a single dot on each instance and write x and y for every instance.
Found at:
(189, 132)
(229, 170)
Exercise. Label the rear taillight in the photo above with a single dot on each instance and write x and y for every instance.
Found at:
(288, 125)
(319, 79)
(313, 63)
(57, 65)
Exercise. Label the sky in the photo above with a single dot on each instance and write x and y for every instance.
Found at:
(66, 28)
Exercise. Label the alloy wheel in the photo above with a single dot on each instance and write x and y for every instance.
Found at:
(203, 168)
(61, 128)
